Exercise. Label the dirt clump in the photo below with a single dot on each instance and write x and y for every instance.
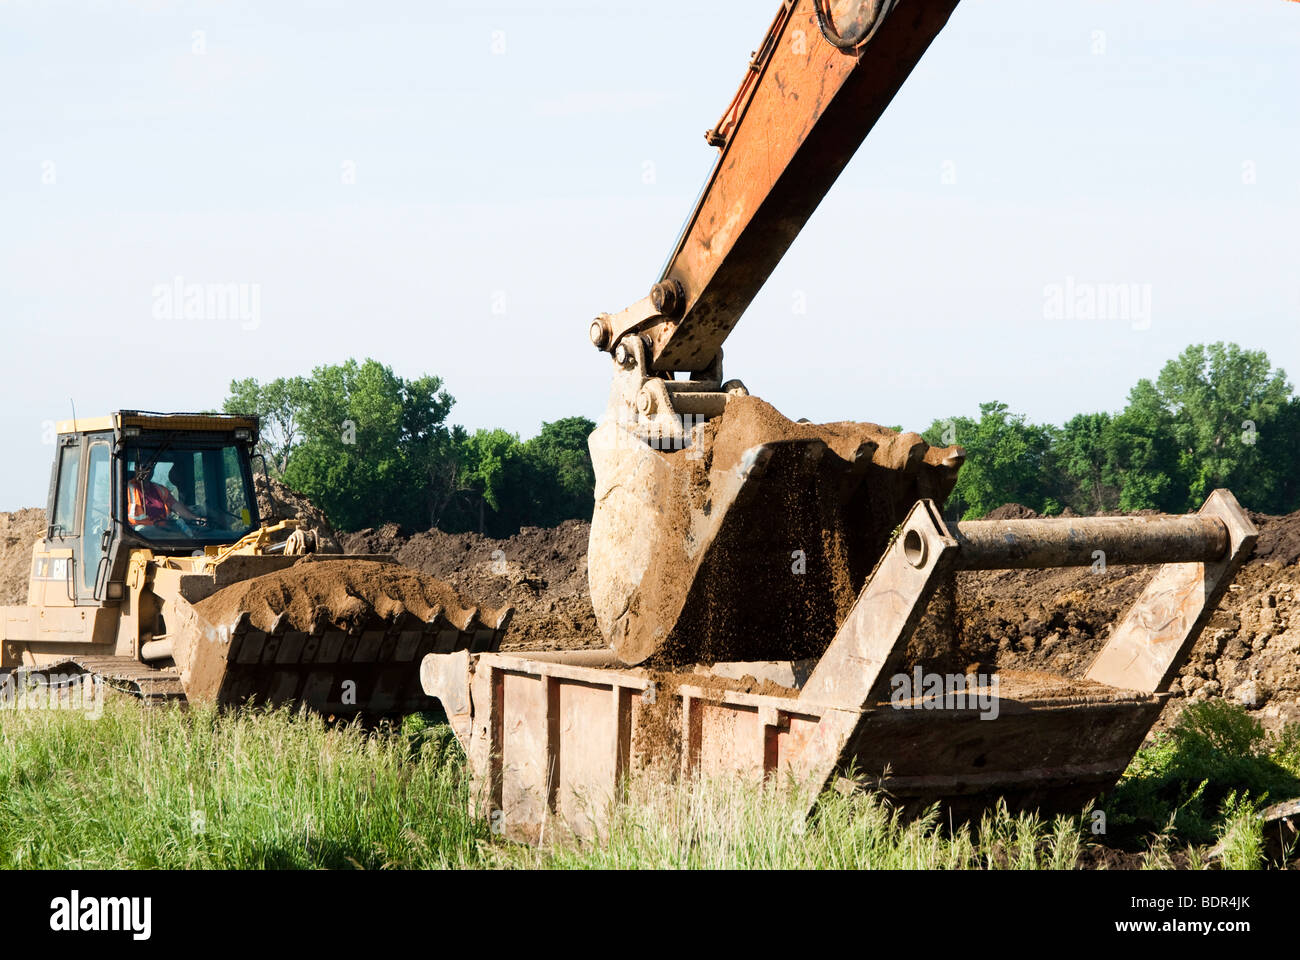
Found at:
(344, 594)
(1279, 539)
(1012, 511)
(18, 531)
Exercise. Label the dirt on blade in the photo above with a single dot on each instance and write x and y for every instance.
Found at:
(344, 594)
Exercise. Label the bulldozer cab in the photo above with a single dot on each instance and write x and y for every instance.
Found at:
(174, 484)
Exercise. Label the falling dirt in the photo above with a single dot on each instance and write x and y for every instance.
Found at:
(344, 594)
(764, 533)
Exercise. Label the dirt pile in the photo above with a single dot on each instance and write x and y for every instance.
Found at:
(18, 531)
(542, 573)
(346, 594)
(276, 502)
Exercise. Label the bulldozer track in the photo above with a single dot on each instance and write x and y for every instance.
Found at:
(126, 675)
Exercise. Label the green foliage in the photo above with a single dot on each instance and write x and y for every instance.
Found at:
(278, 404)
(370, 447)
(1085, 454)
(1216, 416)
(1241, 841)
(1223, 402)
(173, 788)
(199, 788)
(371, 444)
(1194, 776)
(1007, 459)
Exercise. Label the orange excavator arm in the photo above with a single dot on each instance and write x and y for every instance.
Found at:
(823, 75)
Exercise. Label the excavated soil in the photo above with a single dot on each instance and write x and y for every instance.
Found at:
(346, 594)
(277, 502)
(18, 532)
(542, 573)
(1052, 621)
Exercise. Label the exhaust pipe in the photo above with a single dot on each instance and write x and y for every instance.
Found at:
(160, 649)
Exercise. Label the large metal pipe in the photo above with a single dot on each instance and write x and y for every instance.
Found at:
(1083, 541)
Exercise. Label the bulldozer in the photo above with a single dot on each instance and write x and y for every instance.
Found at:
(157, 576)
(758, 579)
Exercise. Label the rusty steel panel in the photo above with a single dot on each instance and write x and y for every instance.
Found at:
(1150, 645)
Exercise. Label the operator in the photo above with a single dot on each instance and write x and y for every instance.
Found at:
(150, 504)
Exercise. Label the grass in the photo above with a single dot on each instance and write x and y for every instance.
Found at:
(1195, 781)
(176, 788)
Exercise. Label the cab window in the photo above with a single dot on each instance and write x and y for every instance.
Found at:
(65, 497)
(96, 519)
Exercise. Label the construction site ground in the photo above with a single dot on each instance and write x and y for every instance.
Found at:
(1049, 621)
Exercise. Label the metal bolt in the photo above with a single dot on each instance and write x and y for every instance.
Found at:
(599, 333)
(669, 298)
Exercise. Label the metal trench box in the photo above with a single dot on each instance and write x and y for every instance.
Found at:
(551, 738)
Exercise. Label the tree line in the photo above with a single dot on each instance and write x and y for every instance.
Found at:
(1216, 416)
(370, 447)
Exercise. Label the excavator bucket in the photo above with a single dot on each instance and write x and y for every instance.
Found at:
(751, 540)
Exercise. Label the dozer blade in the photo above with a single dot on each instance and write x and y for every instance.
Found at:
(339, 636)
(753, 542)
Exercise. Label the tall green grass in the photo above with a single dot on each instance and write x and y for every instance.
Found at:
(178, 788)
(194, 788)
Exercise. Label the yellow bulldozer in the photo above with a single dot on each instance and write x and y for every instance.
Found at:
(157, 576)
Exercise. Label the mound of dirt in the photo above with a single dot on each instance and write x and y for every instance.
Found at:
(1012, 511)
(347, 594)
(1279, 538)
(18, 531)
(1058, 620)
(542, 573)
(276, 502)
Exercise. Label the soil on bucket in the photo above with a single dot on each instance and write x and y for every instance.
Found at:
(345, 594)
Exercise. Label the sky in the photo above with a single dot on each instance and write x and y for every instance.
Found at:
(458, 188)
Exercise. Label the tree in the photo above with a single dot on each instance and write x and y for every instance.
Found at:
(562, 478)
(1144, 453)
(278, 405)
(1223, 401)
(493, 468)
(1085, 452)
(1007, 459)
(371, 445)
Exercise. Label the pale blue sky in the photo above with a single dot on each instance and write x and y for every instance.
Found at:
(1100, 141)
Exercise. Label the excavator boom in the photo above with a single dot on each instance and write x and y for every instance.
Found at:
(822, 77)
